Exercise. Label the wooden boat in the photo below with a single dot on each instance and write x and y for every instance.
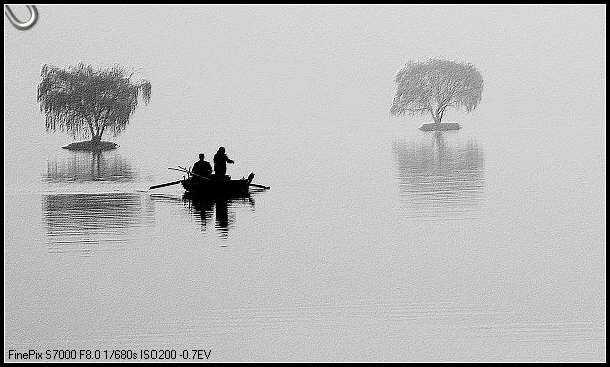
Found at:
(217, 187)
(213, 186)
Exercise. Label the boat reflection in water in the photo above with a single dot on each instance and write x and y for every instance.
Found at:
(88, 223)
(221, 211)
(81, 166)
(439, 177)
(223, 208)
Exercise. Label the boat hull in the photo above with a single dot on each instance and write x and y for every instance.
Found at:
(217, 188)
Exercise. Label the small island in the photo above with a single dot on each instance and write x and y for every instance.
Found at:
(444, 126)
(91, 145)
(84, 101)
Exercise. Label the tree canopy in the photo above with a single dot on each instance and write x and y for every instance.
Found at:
(435, 85)
(87, 101)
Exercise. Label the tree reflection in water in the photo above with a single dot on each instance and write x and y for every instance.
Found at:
(87, 223)
(440, 179)
(89, 166)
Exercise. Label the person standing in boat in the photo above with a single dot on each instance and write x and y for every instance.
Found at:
(202, 168)
(220, 163)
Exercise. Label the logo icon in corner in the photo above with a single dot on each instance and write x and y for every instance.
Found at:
(22, 26)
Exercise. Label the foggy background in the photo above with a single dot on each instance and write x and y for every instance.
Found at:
(222, 71)
(373, 242)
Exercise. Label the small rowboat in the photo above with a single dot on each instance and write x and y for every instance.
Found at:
(213, 186)
(217, 186)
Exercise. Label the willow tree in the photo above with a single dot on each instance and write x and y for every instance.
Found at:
(434, 86)
(88, 102)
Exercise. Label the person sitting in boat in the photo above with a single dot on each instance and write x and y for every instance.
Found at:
(202, 168)
(220, 163)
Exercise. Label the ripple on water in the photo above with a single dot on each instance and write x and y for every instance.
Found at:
(439, 178)
(89, 223)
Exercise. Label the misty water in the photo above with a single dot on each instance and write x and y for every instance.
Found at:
(376, 241)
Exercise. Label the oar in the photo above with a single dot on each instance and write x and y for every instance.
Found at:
(165, 184)
(261, 186)
(181, 169)
(193, 174)
(178, 169)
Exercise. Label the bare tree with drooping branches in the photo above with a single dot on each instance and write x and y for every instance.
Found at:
(87, 101)
(434, 86)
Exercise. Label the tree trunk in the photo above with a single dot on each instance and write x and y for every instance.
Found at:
(96, 139)
(437, 121)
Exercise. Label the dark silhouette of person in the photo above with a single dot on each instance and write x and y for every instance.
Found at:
(220, 162)
(202, 168)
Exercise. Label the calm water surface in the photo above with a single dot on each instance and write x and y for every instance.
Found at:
(424, 246)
